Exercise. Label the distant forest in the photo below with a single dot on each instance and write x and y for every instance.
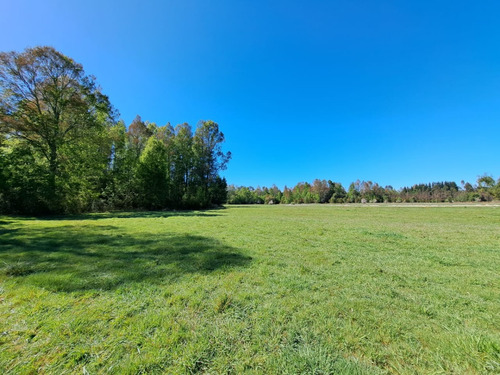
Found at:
(63, 151)
(322, 191)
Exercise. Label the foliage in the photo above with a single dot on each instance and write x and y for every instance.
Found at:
(322, 191)
(50, 105)
(24, 179)
(152, 175)
(61, 150)
(208, 159)
(338, 193)
(249, 195)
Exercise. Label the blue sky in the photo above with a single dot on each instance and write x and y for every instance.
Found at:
(396, 92)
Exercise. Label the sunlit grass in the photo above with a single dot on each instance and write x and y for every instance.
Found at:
(257, 289)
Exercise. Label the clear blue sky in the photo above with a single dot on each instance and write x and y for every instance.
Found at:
(397, 92)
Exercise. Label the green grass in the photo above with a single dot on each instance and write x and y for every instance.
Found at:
(315, 289)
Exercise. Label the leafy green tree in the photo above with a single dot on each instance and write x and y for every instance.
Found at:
(390, 194)
(353, 194)
(166, 135)
(209, 158)
(496, 190)
(485, 182)
(243, 195)
(321, 190)
(218, 191)
(468, 187)
(337, 191)
(287, 196)
(152, 175)
(181, 153)
(273, 195)
(62, 151)
(138, 134)
(48, 103)
(23, 179)
(120, 190)
(485, 187)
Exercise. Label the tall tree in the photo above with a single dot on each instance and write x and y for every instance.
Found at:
(353, 194)
(485, 182)
(48, 102)
(321, 189)
(152, 175)
(209, 157)
(182, 163)
(120, 191)
(138, 134)
(166, 135)
(338, 193)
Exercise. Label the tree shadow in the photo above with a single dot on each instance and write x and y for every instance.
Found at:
(132, 215)
(6, 230)
(123, 215)
(72, 258)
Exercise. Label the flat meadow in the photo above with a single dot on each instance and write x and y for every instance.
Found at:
(314, 289)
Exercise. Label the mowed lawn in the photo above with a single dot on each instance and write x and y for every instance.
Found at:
(320, 289)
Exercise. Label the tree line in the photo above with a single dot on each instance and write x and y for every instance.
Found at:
(62, 150)
(322, 191)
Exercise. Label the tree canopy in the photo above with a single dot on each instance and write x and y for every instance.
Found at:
(322, 191)
(62, 150)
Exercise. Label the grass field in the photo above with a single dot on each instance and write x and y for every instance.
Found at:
(317, 289)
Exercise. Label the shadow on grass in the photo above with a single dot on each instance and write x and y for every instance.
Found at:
(131, 215)
(79, 258)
